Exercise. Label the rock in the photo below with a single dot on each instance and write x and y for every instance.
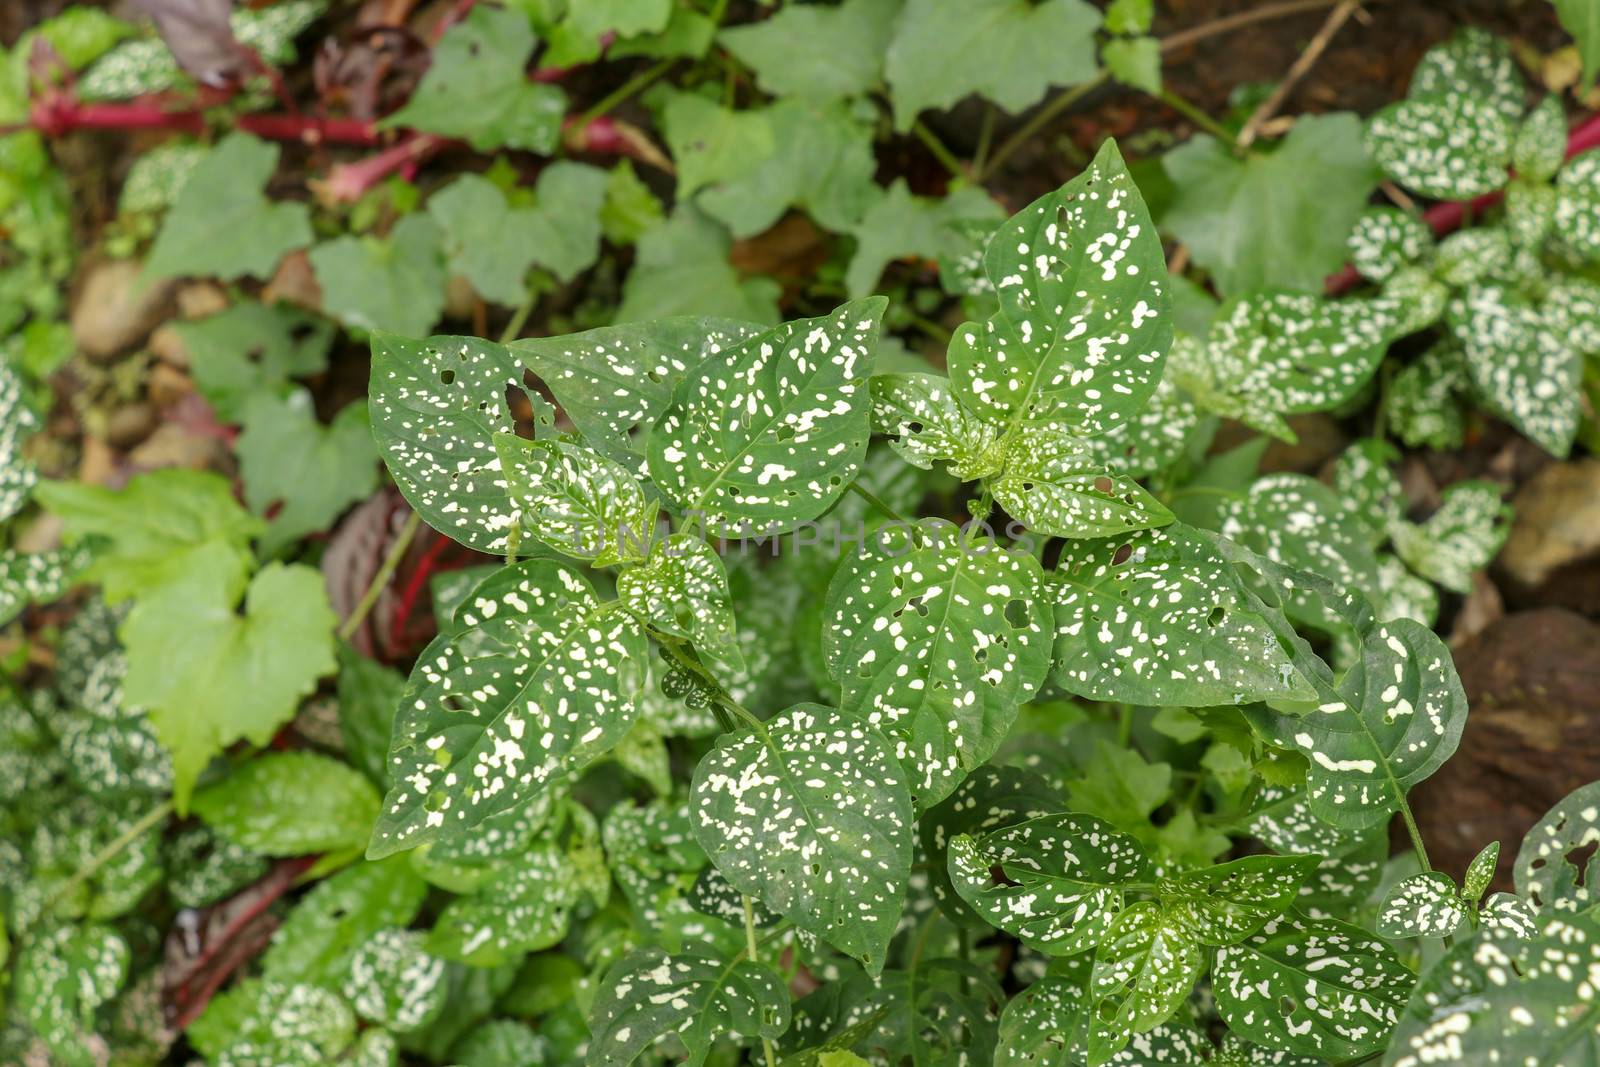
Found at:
(196, 300)
(294, 283)
(130, 424)
(173, 445)
(1533, 735)
(167, 385)
(167, 345)
(460, 299)
(117, 308)
(1557, 526)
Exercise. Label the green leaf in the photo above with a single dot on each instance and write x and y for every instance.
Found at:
(1144, 968)
(1423, 408)
(988, 798)
(63, 976)
(801, 426)
(1129, 16)
(581, 36)
(1480, 872)
(649, 994)
(1166, 622)
(1121, 787)
(1541, 144)
(1507, 914)
(936, 640)
(38, 577)
(1527, 371)
(309, 472)
(631, 209)
(899, 224)
(817, 51)
(1134, 61)
(1008, 51)
(1476, 63)
(1224, 904)
(1424, 905)
(1581, 18)
(395, 983)
(1273, 353)
(682, 590)
(394, 283)
(1577, 198)
(209, 675)
(1555, 867)
(223, 224)
(1272, 218)
(17, 475)
(369, 693)
(574, 500)
(540, 680)
(475, 88)
(712, 143)
(1046, 1024)
(1385, 240)
(291, 803)
(500, 1043)
(251, 348)
(523, 909)
(319, 938)
(1064, 879)
(1319, 988)
(682, 268)
(1056, 484)
(928, 424)
(810, 814)
(1450, 147)
(288, 1023)
(1459, 538)
(494, 246)
(1085, 316)
(1372, 492)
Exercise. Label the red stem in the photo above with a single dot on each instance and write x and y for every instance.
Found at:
(1447, 217)
(427, 566)
(56, 114)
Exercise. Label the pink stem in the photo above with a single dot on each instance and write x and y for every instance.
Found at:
(56, 114)
(348, 181)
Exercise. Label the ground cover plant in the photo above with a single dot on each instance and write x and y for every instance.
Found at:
(659, 531)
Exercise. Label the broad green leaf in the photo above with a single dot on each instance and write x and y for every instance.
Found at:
(291, 803)
(1064, 879)
(316, 942)
(682, 590)
(713, 143)
(940, 1011)
(155, 528)
(1134, 61)
(1448, 147)
(223, 223)
(649, 994)
(302, 472)
(62, 976)
(475, 88)
(682, 268)
(1541, 144)
(369, 693)
(1085, 316)
(394, 283)
(1224, 904)
(936, 640)
(800, 406)
(1056, 484)
(1273, 353)
(1320, 988)
(1008, 51)
(1556, 865)
(989, 798)
(17, 475)
(1144, 968)
(252, 348)
(810, 813)
(1581, 18)
(631, 208)
(1122, 787)
(1386, 239)
(1158, 617)
(817, 51)
(1459, 538)
(1271, 218)
(208, 674)
(574, 500)
(927, 423)
(1577, 198)
(493, 245)
(522, 910)
(394, 982)
(583, 33)
(1424, 905)
(541, 679)
(900, 224)
(1523, 369)
(1497, 998)
(1129, 16)
(38, 577)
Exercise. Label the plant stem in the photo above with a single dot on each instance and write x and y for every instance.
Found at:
(145, 822)
(519, 318)
(675, 650)
(751, 950)
(945, 157)
(872, 498)
(1416, 835)
(985, 136)
(381, 579)
(1039, 120)
(624, 92)
(1196, 116)
(1307, 59)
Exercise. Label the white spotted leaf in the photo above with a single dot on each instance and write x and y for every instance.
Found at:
(811, 814)
(992, 796)
(395, 983)
(648, 995)
(1144, 969)
(540, 679)
(1084, 320)
(1315, 987)
(1472, 62)
(575, 500)
(1057, 485)
(1449, 147)
(1065, 879)
(772, 429)
(1226, 903)
(1520, 361)
(523, 909)
(1541, 144)
(1459, 538)
(1159, 618)
(1386, 239)
(1577, 200)
(1509, 914)
(682, 590)
(1557, 866)
(927, 423)
(1480, 872)
(936, 640)
(1424, 905)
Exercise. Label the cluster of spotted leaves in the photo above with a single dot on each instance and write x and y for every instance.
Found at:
(1518, 312)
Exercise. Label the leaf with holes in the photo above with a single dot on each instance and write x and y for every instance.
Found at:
(987, 799)
(927, 423)
(1557, 866)
(682, 590)
(1226, 903)
(811, 813)
(575, 500)
(541, 679)
(1144, 968)
(936, 640)
(1458, 539)
(524, 909)
(1065, 876)
(1424, 905)
(1054, 484)
(772, 429)
(1158, 617)
(1320, 988)
(1046, 1024)
(1084, 321)
(649, 994)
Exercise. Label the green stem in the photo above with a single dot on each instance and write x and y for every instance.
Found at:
(945, 157)
(624, 92)
(872, 498)
(381, 579)
(985, 136)
(1416, 835)
(751, 951)
(519, 318)
(114, 849)
(1125, 725)
(1041, 118)
(1198, 117)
